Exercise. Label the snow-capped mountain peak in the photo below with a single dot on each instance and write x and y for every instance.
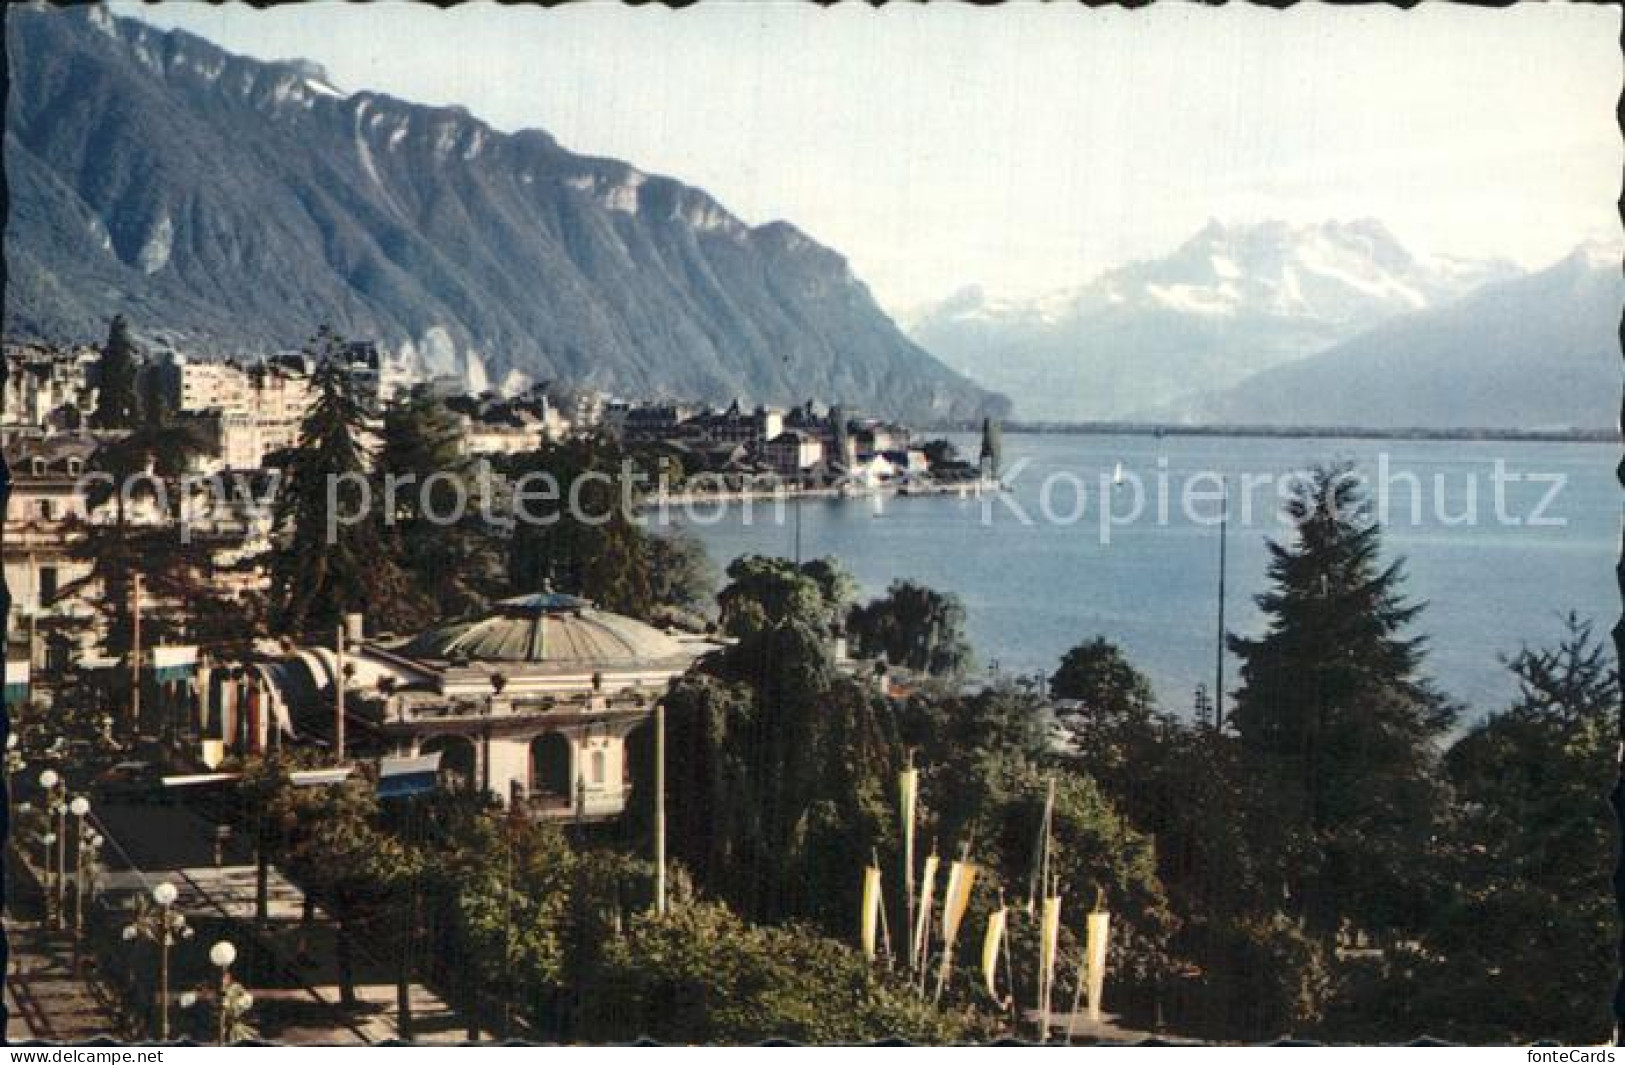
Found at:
(1231, 300)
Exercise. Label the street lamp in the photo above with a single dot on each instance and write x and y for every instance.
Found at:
(221, 955)
(79, 807)
(55, 808)
(231, 999)
(163, 926)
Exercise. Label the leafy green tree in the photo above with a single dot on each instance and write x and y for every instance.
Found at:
(779, 763)
(347, 865)
(583, 540)
(118, 403)
(698, 974)
(1114, 724)
(965, 732)
(138, 478)
(1096, 854)
(1099, 675)
(914, 627)
(447, 551)
(940, 452)
(516, 917)
(682, 577)
(775, 783)
(1336, 717)
(765, 592)
(332, 553)
(1526, 855)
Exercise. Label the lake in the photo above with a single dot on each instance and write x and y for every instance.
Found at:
(1501, 539)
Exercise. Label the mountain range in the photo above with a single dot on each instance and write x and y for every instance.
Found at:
(1365, 332)
(1539, 352)
(232, 206)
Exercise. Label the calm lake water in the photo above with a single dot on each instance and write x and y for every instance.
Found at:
(1497, 566)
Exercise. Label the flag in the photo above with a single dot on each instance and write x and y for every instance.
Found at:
(17, 681)
(870, 922)
(990, 952)
(172, 663)
(1049, 938)
(961, 875)
(399, 777)
(908, 795)
(922, 922)
(1094, 954)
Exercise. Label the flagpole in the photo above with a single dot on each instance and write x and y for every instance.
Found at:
(921, 947)
(660, 807)
(1218, 652)
(1077, 994)
(1012, 1006)
(909, 800)
(338, 694)
(798, 526)
(1045, 891)
(135, 655)
(885, 930)
(955, 900)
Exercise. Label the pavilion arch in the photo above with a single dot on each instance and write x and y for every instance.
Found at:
(458, 757)
(551, 765)
(638, 766)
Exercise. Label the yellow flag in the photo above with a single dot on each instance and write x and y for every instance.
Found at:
(990, 952)
(961, 875)
(955, 898)
(1049, 939)
(1098, 933)
(870, 923)
(908, 794)
(922, 922)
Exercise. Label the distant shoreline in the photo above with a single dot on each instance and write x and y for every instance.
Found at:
(919, 487)
(1573, 436)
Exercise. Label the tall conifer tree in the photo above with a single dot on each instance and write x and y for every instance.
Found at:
(1337, 720)
(118, 405)
(332, 555)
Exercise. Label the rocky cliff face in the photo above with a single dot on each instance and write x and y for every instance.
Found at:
(236, 205)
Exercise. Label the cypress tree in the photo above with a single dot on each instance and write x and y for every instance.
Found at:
(1337, 720)
(840, 437)
(118, 406)
(992, 456)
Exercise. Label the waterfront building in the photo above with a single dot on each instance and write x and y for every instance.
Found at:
(793, 452)
(533, 702)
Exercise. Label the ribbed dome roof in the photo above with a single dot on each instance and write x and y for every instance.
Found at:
(549, 629)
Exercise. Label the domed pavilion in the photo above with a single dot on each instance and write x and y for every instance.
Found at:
(532, 701)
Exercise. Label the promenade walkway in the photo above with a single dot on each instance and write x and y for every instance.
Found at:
(45, 999)
(296, 981)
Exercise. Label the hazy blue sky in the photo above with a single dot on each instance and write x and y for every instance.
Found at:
(1028, 148)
